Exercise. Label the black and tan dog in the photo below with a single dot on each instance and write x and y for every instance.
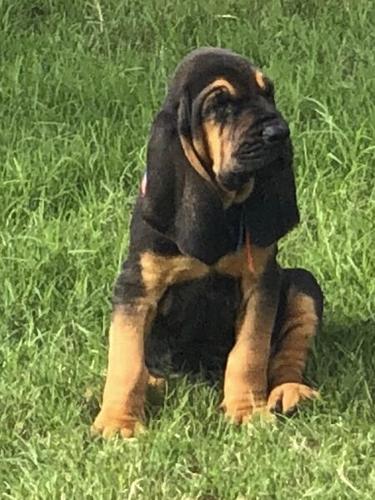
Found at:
(201, 288)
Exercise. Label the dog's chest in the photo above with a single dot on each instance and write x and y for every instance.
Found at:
(194, 326)
(160, 272)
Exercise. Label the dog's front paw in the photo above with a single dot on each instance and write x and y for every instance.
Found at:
(243, 410)
(285, 398)
(110, 423)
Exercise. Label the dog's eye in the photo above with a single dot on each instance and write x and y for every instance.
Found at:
(219, 102)
(220, 98)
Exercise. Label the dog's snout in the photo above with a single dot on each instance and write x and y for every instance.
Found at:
(275, 132)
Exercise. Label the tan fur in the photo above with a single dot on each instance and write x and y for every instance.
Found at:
(124, 392)
(156, 382)
(287, 396)
(218, 143)
(245, 381)
(193, 159)
(200, 147)
(259, 78)
(299, 327)
(221, 82)
(159, 272)
(221, 142)
(236, 264)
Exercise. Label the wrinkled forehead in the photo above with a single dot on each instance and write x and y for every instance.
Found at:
(203, 66)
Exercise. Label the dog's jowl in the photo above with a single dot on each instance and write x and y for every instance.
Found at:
(201, 289)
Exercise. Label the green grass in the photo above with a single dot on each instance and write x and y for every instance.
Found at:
(79, 84)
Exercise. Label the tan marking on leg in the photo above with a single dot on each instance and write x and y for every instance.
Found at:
(259, 78)
(288, 364)
(300, 326)
(245, 382)
(124, 392)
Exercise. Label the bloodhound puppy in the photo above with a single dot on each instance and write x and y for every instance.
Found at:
(201, 289)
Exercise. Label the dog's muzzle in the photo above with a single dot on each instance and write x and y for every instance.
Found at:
(260, 152)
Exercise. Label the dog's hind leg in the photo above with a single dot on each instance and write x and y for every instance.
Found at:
(298, 321)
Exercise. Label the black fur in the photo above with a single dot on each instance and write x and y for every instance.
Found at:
(194, 327)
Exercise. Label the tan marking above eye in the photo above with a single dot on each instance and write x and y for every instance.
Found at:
(259, 78)
(221, 82)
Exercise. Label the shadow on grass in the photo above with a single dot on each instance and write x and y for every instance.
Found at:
(343, 361)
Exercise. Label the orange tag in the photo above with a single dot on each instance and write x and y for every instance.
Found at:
(249, 255)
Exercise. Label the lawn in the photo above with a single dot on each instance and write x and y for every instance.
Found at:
(79, 84)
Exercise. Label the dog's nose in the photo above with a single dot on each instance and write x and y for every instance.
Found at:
(276, 132)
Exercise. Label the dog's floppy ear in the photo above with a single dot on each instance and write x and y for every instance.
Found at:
(271, 211)
(179, 200)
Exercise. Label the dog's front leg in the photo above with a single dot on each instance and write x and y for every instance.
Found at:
(245, 382)
(124, 392)
(136, 296)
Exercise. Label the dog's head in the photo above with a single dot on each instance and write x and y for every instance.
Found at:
(219, 157)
